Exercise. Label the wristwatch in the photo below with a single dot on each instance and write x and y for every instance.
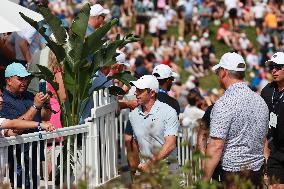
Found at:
(39, 126)
(37, 108)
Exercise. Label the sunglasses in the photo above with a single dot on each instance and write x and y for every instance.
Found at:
(275, 66)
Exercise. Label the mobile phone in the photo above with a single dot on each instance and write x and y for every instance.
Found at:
(42, 87)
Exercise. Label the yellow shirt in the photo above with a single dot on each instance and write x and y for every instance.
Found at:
(270, 20)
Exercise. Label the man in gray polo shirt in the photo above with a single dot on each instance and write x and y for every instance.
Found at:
(238, 126)
(155, 124)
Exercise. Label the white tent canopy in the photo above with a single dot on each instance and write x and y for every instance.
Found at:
(10, 18)
(6, 26)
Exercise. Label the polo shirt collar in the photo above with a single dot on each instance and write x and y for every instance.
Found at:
(153, 110)
(13, 95)
(10, 93)
(236, 85)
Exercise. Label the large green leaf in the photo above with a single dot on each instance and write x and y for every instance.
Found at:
(74, 51)
(69, 77)
(94, 41)
(55, 24)
(125, 77)
(75, 43)
(58, 50)
(84, 80)
(79, 25)
(106, 55)
(129, 38)
(114, 90)
(47, 75)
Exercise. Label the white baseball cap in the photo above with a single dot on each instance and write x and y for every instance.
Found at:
(231, 61)
(146, 82)
(97, 10)
(121, 58)
(277, 58)
(205, 35)
(163, 71)
(194, 38)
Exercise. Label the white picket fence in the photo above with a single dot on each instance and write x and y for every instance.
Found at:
(90, 152)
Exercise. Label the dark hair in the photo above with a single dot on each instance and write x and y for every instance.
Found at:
(162, 81)
(193, 97)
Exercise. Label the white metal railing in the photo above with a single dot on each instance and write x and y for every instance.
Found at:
(87, 151)
(102, 143)
(33, 142)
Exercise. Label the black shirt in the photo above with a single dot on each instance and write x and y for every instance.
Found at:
(206, 116)
(165, 98)
(278, 99)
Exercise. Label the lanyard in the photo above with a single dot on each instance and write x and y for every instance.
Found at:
(162, 91)
(278, 100)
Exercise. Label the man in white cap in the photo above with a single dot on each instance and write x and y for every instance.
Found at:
(165, 77)
(238, 126)
(155, 125)
(273, 94)
(97, 16)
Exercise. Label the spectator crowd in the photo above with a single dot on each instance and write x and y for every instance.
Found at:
(183, 35)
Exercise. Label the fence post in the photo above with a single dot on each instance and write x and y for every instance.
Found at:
(92, 143)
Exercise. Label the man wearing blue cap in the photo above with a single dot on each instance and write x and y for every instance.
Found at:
(21, 104)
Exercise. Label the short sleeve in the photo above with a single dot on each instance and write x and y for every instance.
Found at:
(27, 34)
(220, 119)
(171, 123)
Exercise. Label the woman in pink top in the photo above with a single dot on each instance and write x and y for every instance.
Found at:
(224, 34)
(57, 71)
(54, 103)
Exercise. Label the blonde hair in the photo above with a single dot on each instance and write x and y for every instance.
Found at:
(53, 64)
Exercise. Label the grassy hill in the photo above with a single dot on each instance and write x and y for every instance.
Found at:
(211, 81)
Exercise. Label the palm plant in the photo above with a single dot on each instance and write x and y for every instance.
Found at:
(73, 49)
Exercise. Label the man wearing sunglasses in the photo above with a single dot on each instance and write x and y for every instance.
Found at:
(238, 126)
(273, 94)
(97, 17)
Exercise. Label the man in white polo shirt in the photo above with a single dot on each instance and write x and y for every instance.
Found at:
(155, 125)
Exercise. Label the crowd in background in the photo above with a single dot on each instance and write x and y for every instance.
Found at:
(190, 48)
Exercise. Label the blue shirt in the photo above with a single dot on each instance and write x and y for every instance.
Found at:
(89, 30)
(150, 130)
(16, 105)
(99, 81)
(13, 107)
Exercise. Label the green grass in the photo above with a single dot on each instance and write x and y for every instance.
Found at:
(211, 81)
